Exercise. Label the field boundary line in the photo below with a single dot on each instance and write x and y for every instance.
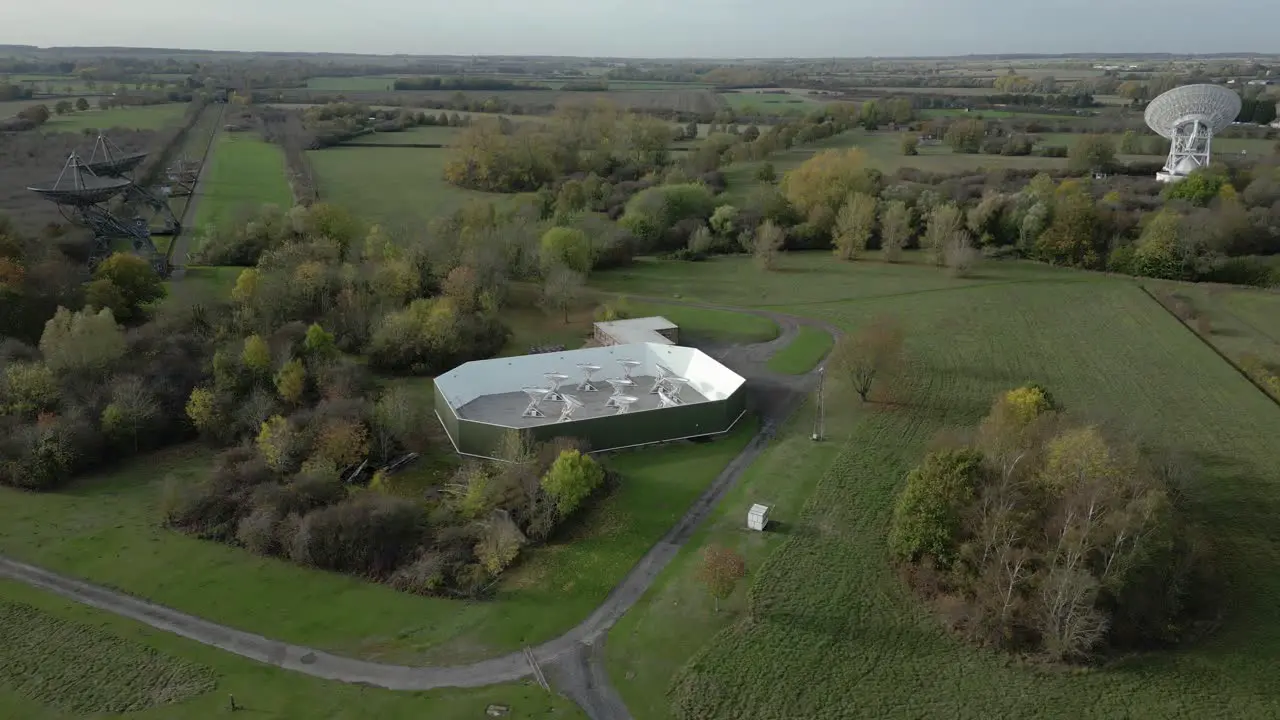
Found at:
(1211, 346)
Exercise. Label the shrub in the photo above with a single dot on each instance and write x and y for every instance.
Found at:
(926, 518)
(368, 535)
(571, 479)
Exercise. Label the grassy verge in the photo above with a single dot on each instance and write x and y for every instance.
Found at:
(93, 668)
(246, 172)
(825, 617)
(106, 529)
(803, 353)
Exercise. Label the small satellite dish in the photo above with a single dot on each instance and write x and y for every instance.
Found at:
(1189, 116)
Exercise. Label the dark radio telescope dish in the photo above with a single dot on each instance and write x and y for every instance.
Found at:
(92, 191)
(116, 166)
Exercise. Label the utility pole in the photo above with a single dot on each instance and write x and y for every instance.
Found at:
(819, 420)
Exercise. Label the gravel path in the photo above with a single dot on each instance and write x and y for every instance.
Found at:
(573, 662)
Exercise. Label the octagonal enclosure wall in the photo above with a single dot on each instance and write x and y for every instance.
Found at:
(723, 389)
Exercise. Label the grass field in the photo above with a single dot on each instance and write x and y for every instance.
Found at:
(368, 82)
(145, 117)
(425, 134)
(767, 103)
(992, 114)
(245, 172)
(194, 146)
(824, 628)
(803, 353)
(106, 529)
(1241, 321)
(397, 186)
(110, 657)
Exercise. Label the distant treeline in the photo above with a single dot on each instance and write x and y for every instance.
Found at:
(9, 91)
(464, 83)
(1083, 100)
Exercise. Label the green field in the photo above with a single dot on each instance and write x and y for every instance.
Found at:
(397, 186)
(372, 82)
(245, 172)
(1241, 321)
(111, 658)
(826, 628)
(106, 529)
(767, 103)
(423, 134)
(144, 117)
(992, 114)
(194, 147)
(803, 353)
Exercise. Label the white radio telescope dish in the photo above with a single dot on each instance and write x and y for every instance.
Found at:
(1189, 116)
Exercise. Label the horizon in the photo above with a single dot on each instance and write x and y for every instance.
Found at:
(660, 29)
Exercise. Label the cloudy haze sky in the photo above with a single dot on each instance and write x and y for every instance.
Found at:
(651, 28)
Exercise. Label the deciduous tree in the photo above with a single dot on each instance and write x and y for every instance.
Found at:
(945, 221)
(767, 244)
(870, 353)
(82, 341)
(895, 229)
(826, 179)
(720, 571)
(561, 289)
(855, 225)
(571, 479)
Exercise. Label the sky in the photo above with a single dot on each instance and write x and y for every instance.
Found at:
(652, 28)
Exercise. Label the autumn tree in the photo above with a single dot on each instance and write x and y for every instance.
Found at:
(855, 225)
(724, 221)
(256, 355)
(1072, 237)
(895, 229)
(136, 278)
(291, 381)
(960, 254)
(133, 406)
(84, 341)
(910, 144)
(827, 179)
(561, 290)
(767, 244)
(571, 479)
(945, 222)
(720, 571)
(343, 442)
(278, 443)
(965, 136)
(873, 352)
(1092, 153)
(565, 247)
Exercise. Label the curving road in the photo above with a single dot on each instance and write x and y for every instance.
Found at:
(574, 662)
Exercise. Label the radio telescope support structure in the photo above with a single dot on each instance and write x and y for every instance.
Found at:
(82, 196)
(108, 160)
(1189, 116)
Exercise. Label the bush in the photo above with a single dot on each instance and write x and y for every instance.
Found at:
(926, 518)
(571, 479)
(368, 535)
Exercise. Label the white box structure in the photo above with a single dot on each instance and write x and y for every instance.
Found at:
(758, 517)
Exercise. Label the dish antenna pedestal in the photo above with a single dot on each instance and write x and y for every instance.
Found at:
(1189, 116)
